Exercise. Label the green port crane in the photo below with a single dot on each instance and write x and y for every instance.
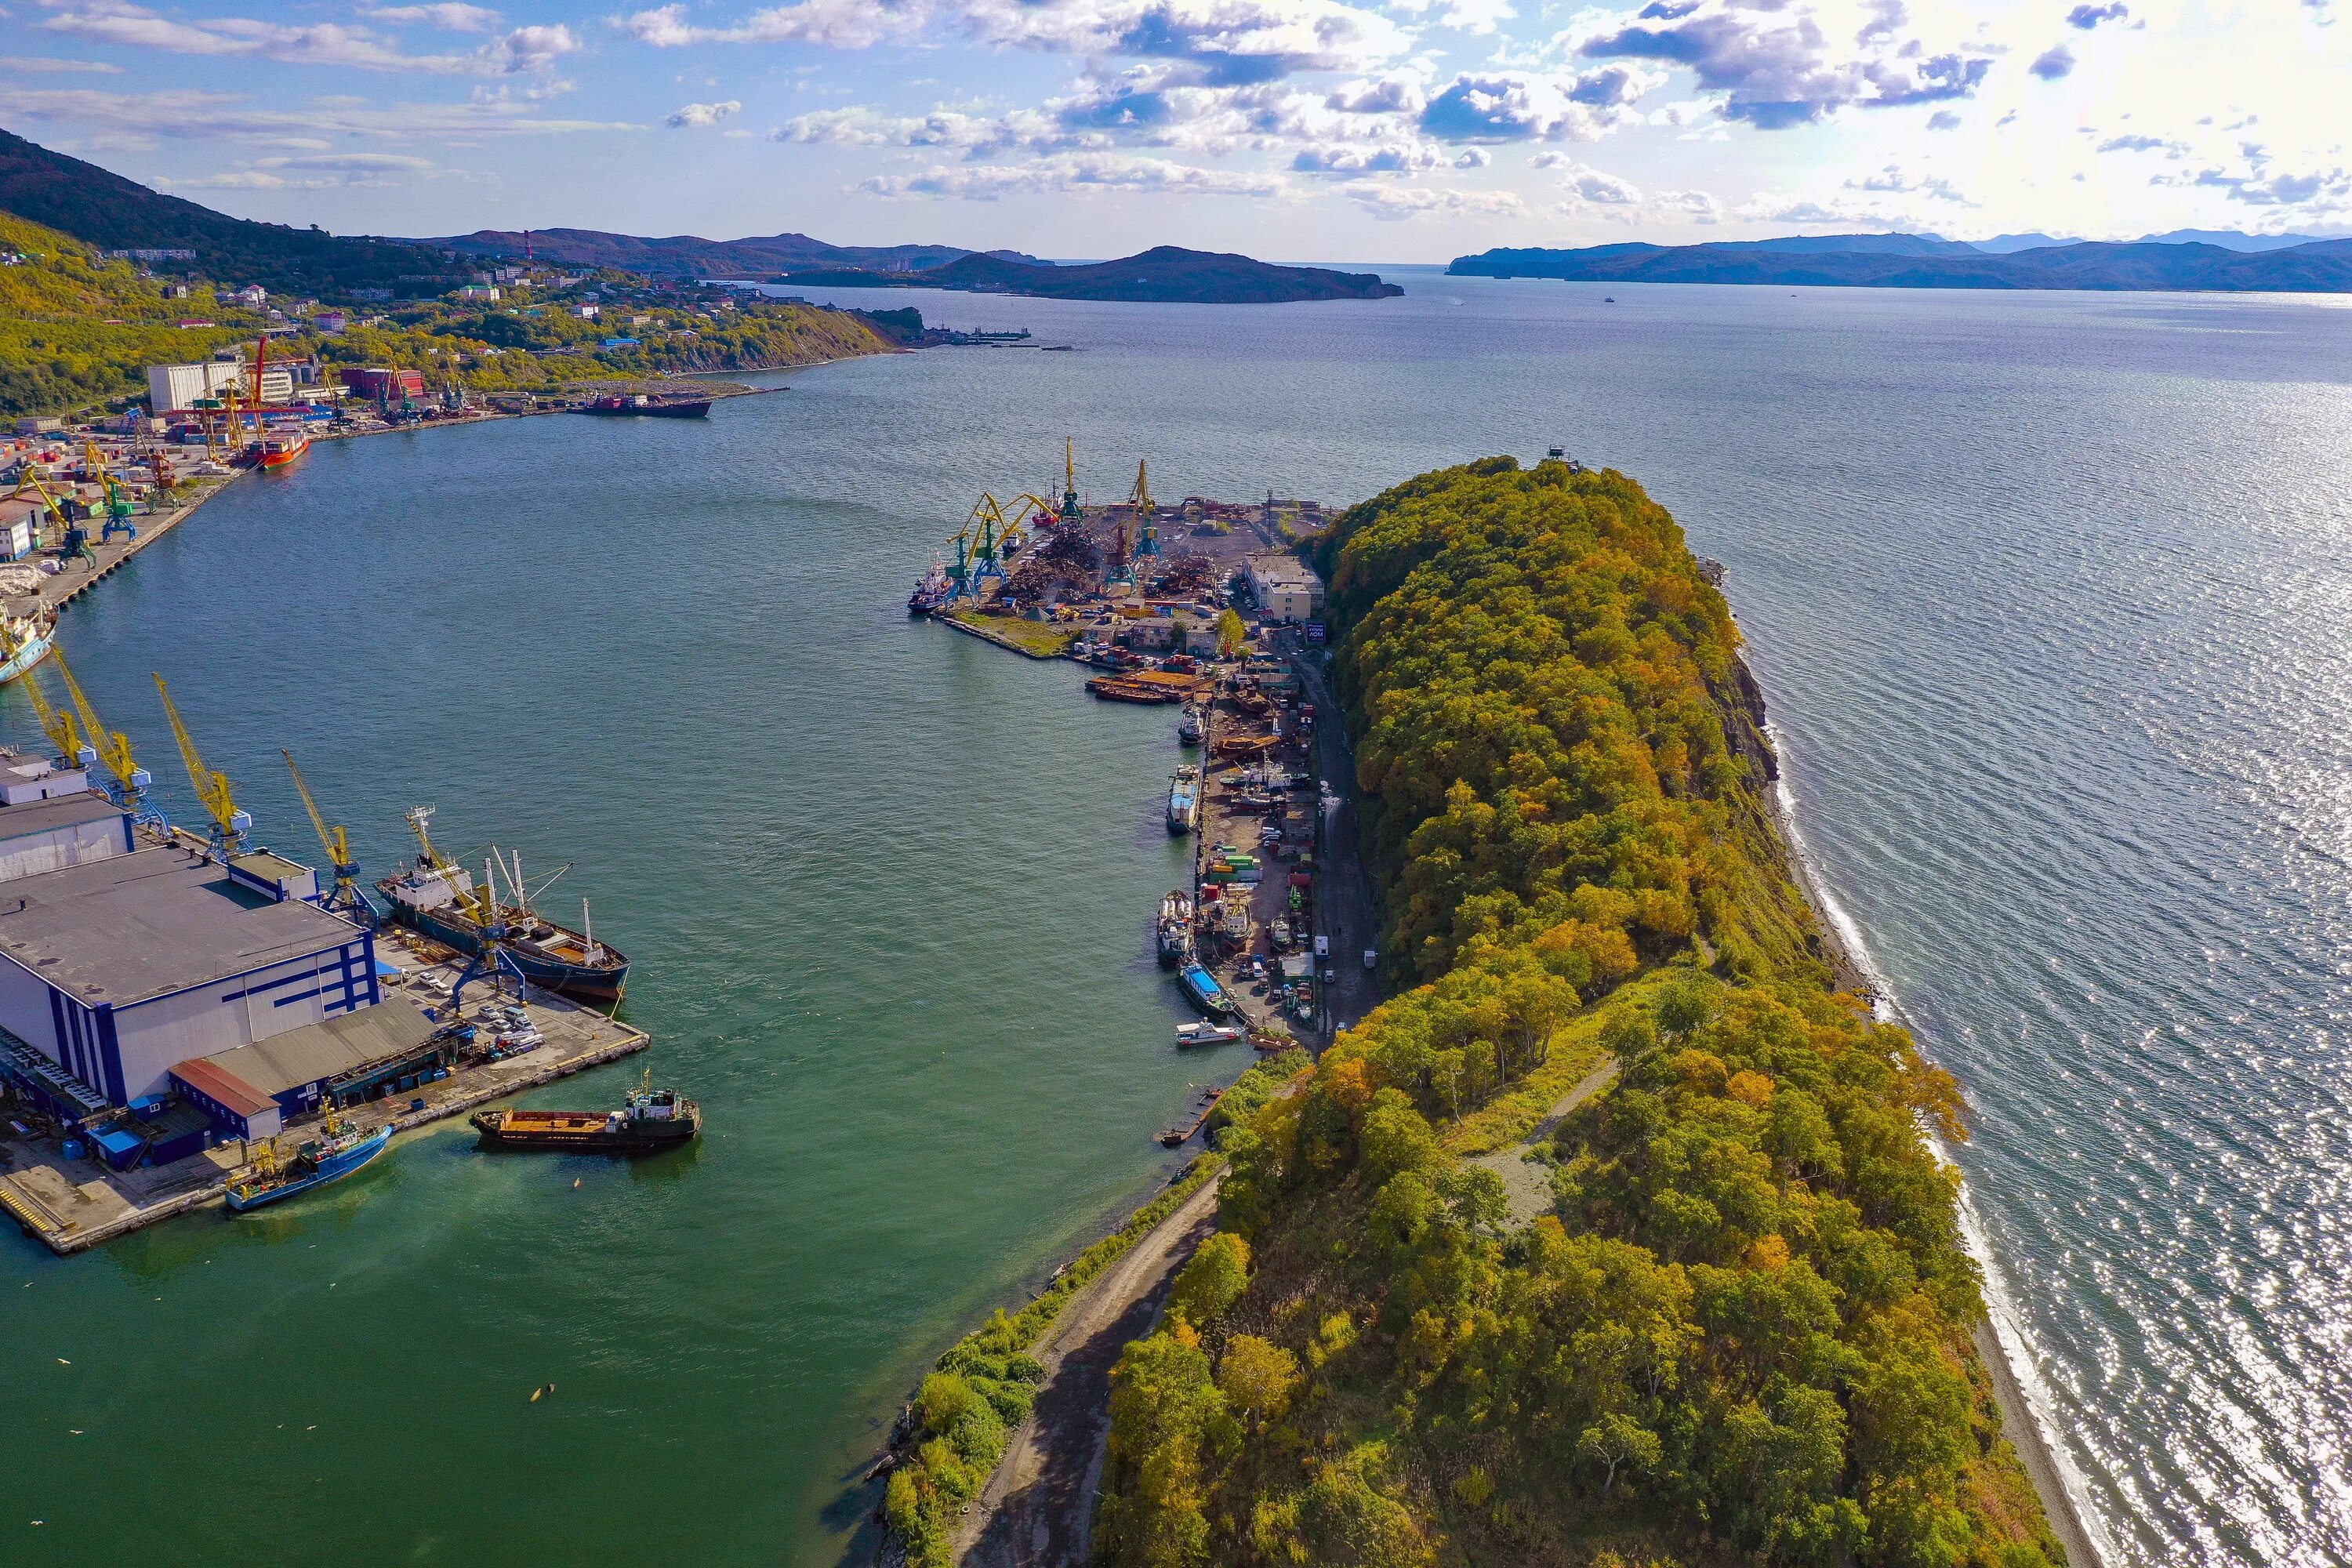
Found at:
(986, 558)
(1148, 540)
(229, 825)
(61, 728)
(1073, 514)
(112, 748)
(337, 843)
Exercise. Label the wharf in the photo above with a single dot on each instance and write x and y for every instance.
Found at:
(60, 588)
(71, 1204)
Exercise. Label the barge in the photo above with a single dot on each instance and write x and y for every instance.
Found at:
(1202, 988)
(1175, 928)
(658, 408)
(1184, 799)
(650, 1120)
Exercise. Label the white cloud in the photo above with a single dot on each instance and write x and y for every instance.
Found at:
(190, 114)
(321, 44)
(702, 113)
(448, 17)
(44, 65)
(1070, 175)
(1399, 202)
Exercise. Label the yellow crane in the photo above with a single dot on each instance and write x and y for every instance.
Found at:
(334, 841)
(112, 747)
(229, 825)
(61, 728)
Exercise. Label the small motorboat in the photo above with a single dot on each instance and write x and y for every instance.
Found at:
(1206, 1033)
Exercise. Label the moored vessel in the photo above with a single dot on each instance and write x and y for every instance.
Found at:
(651, 1118)
(1175, 928)
(1188, 729)
(335, 1153)
(660, 408)
(23, 643)
(1205, 993)
(282, 450)
(931, 591)
(1184, 799)
(442, 901)
(1206, 1033)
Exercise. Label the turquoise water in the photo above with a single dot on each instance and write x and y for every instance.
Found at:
(2045, 593)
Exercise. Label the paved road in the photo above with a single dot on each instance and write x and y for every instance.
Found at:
(1037, 1509)
(1343, 903)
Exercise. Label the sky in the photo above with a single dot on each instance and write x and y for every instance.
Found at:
(1294, 129)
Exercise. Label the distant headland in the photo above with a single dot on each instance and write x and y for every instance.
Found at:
(2184, 262)
(1166, 274)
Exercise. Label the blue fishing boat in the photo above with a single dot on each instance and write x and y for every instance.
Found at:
(1201, 987)
(331, 1157)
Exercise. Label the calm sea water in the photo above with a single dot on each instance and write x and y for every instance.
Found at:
(2047, 595)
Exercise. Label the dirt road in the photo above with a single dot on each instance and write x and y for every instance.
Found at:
(1037, 1509)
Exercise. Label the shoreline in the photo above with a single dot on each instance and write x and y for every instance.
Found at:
(2020, 1423)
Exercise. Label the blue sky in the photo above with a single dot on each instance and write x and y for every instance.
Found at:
(1414, 130)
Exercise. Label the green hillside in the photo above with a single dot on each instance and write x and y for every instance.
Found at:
(1734, 1326)
(78, 329)
(114, 214)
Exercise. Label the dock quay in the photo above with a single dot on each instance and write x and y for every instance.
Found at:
(73, 1204)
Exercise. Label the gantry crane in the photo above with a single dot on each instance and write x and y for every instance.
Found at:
(118, 504)
(986, 562)
(112, 748)
(229, 825)
(338, 845)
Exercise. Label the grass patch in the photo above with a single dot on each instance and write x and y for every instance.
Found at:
(1038, 639)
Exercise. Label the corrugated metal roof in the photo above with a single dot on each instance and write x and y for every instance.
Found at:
(315, 1051)
(214, 1083)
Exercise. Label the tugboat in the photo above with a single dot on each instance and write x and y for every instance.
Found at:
(651, 1120)
(1175, 928)
(1188, 731)
(338, 1152)
(1184, 799)
(441, 900)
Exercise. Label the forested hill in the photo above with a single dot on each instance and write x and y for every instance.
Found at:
(1166, 274)
(689, 255)
(1736, 1326)
(76, 328)
(111, 212)
(2320, 266)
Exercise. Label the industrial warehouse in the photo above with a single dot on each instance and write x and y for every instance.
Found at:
(170, 1004)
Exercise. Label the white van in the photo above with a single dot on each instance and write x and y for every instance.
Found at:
(1322, 947)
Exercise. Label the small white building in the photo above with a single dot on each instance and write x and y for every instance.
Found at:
(1285, 587)
(253, 295)
(479, 294)
(175, 388)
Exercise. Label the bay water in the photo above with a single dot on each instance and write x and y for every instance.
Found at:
(2046, 594)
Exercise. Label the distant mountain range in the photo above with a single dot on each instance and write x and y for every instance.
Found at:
(687, 255)
(1165, 274)
(2186, 259)
(101, 208)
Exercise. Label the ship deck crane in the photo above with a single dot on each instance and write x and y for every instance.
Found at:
(337, 843)
(229, 825)
(112, 748)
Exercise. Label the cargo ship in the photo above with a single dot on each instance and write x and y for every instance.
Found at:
(932, 592)
(651, 1120)
(282, 451)
(440, 900)
(1175, 928)
(338, 1152)
(656, 407)
(1184, 799)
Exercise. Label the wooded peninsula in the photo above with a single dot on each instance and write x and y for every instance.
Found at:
(1741, 1332)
